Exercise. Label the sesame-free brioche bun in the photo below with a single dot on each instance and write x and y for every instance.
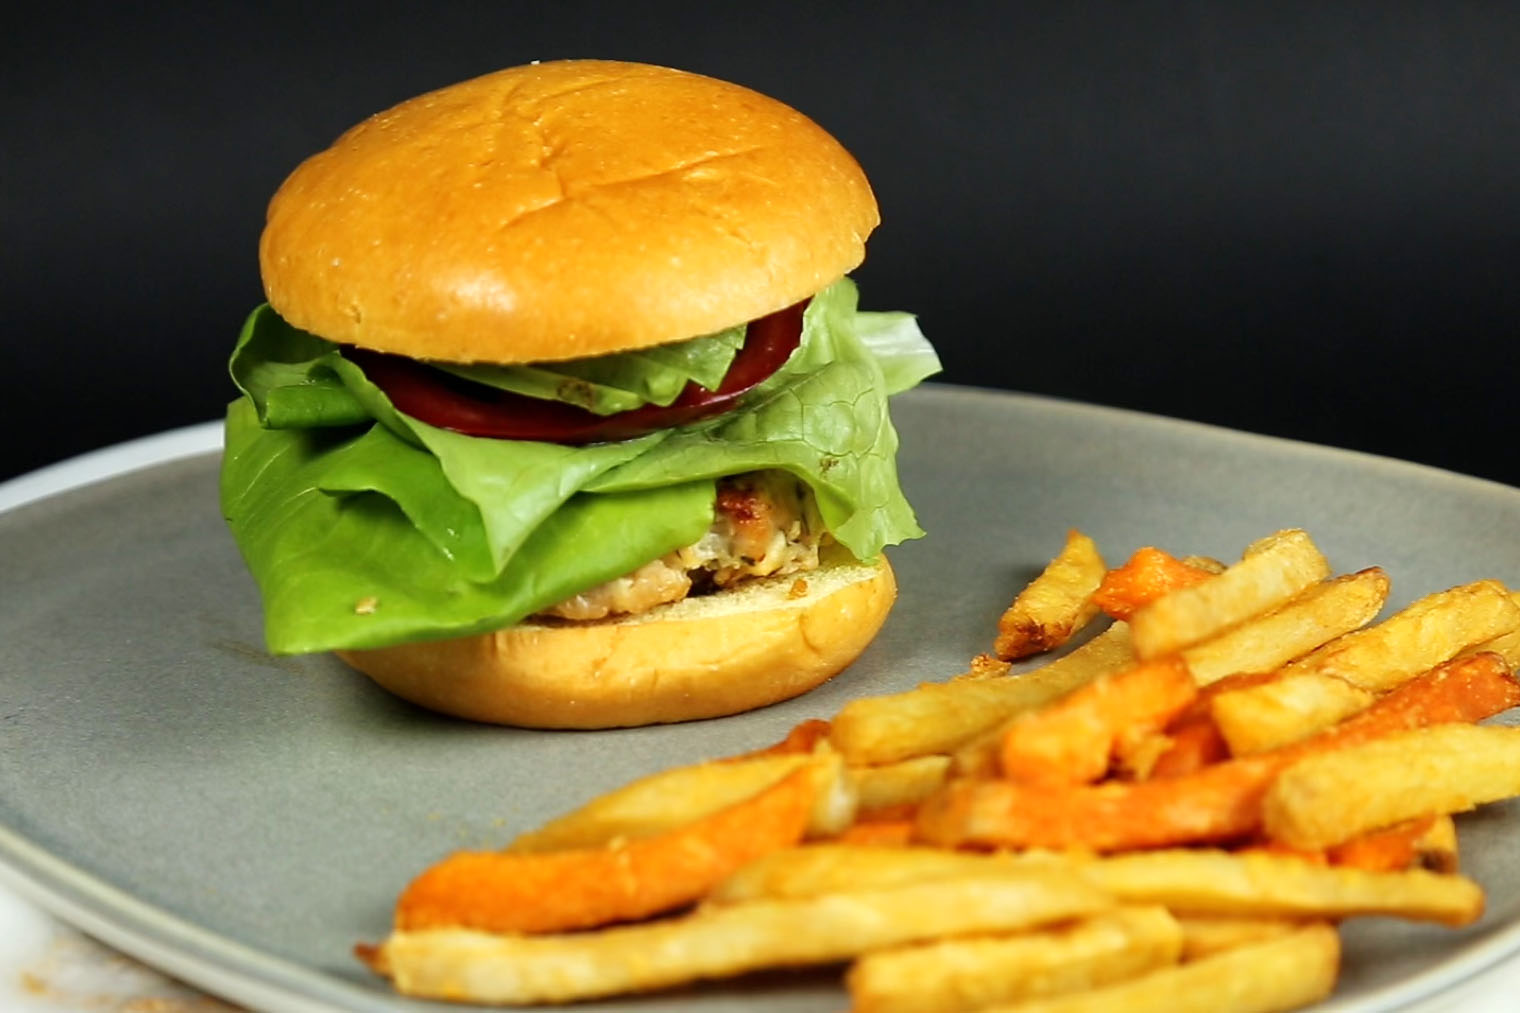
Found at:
(764, 641)
(562, 210)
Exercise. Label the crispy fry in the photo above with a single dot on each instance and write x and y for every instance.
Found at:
(660, 802)
(1300, 625)
(1271, 572)
(1055, 604)
(1420, 636)
(719, 941)
(1071, 741)
(1203, 935)
(1265, 977)
(876, 832)
(939, 717)
(555, 891)
(1441, 770)
(894, 784)
(1149, 574)
(816, 869)
(961, 975)
(1218, 803)
(1193, 741)
(1203, 881)
(1293, 706)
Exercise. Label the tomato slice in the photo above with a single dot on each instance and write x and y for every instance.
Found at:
(448, 402)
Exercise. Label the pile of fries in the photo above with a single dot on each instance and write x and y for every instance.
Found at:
(1174, 814)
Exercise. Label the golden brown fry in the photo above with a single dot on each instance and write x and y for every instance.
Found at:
(1266, 977)
(1444, 769)
(720, 941)
(1056, 604)
(1427, 632)
(1286, 709)
(1506, 645)
(1267, 642)
(938, 717)
(671, 798)
(1258, 883)
(1203, 935)
(965, 974)
(901, 783)
(1436, 849)
(816, 869)
(1271, 572)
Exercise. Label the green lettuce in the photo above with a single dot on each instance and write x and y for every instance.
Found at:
(617, 383)
(365, 527)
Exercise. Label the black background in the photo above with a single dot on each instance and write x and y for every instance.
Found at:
(1298, 219)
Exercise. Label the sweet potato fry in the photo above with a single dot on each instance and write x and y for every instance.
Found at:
(800, 739)
(557, 891)
(1218, 803)
(1387, 850)
(1149, 574)
(1055, 605)
(1271, 572)
(1071, 741)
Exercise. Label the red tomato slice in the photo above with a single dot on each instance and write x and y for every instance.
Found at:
(445, 401)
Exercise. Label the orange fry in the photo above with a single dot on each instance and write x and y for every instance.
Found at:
(1149, 574)
(1196, 740)
(555, 891)
(1218, 803)
(1071, 741)
(888, 833)
(801, 739)
(1387, 850)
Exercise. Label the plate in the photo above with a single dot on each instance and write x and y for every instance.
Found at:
(242, 821)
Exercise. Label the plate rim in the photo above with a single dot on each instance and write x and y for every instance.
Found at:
(249, 976)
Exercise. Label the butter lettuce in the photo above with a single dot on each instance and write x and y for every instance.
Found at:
(365, 527)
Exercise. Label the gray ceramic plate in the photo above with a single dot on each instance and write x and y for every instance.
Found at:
(242, 821)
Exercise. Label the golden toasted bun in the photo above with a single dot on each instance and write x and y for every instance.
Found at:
(562, 210)
(702, 657)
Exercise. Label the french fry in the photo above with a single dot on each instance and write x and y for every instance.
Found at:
(1323, 612)
(673, 798)
(1056, 604)
(1265, 977)
(1420, 636)
(1191, 742)
(816, 869)
(895, 784)
(1149, 574)
(719, 941)
(1506, 645)
(1257, 883)
(1072, 740)
(1272, 571)
(1203, 935)
(1440, 770)
(962, 975)
(1293, 706)
(497, 891)
(939, 717)
(1217, 803)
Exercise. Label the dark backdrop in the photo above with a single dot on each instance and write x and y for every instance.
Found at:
(1297, 219)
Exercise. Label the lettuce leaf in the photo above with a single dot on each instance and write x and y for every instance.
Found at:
(616, 383)
(365, 527)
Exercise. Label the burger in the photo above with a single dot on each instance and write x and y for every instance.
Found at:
(561, 412)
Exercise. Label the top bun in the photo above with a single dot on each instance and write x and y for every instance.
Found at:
(563, 210)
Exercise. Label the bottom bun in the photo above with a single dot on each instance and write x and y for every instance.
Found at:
(701, 657)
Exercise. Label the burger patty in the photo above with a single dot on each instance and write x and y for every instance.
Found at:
(764, 524)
